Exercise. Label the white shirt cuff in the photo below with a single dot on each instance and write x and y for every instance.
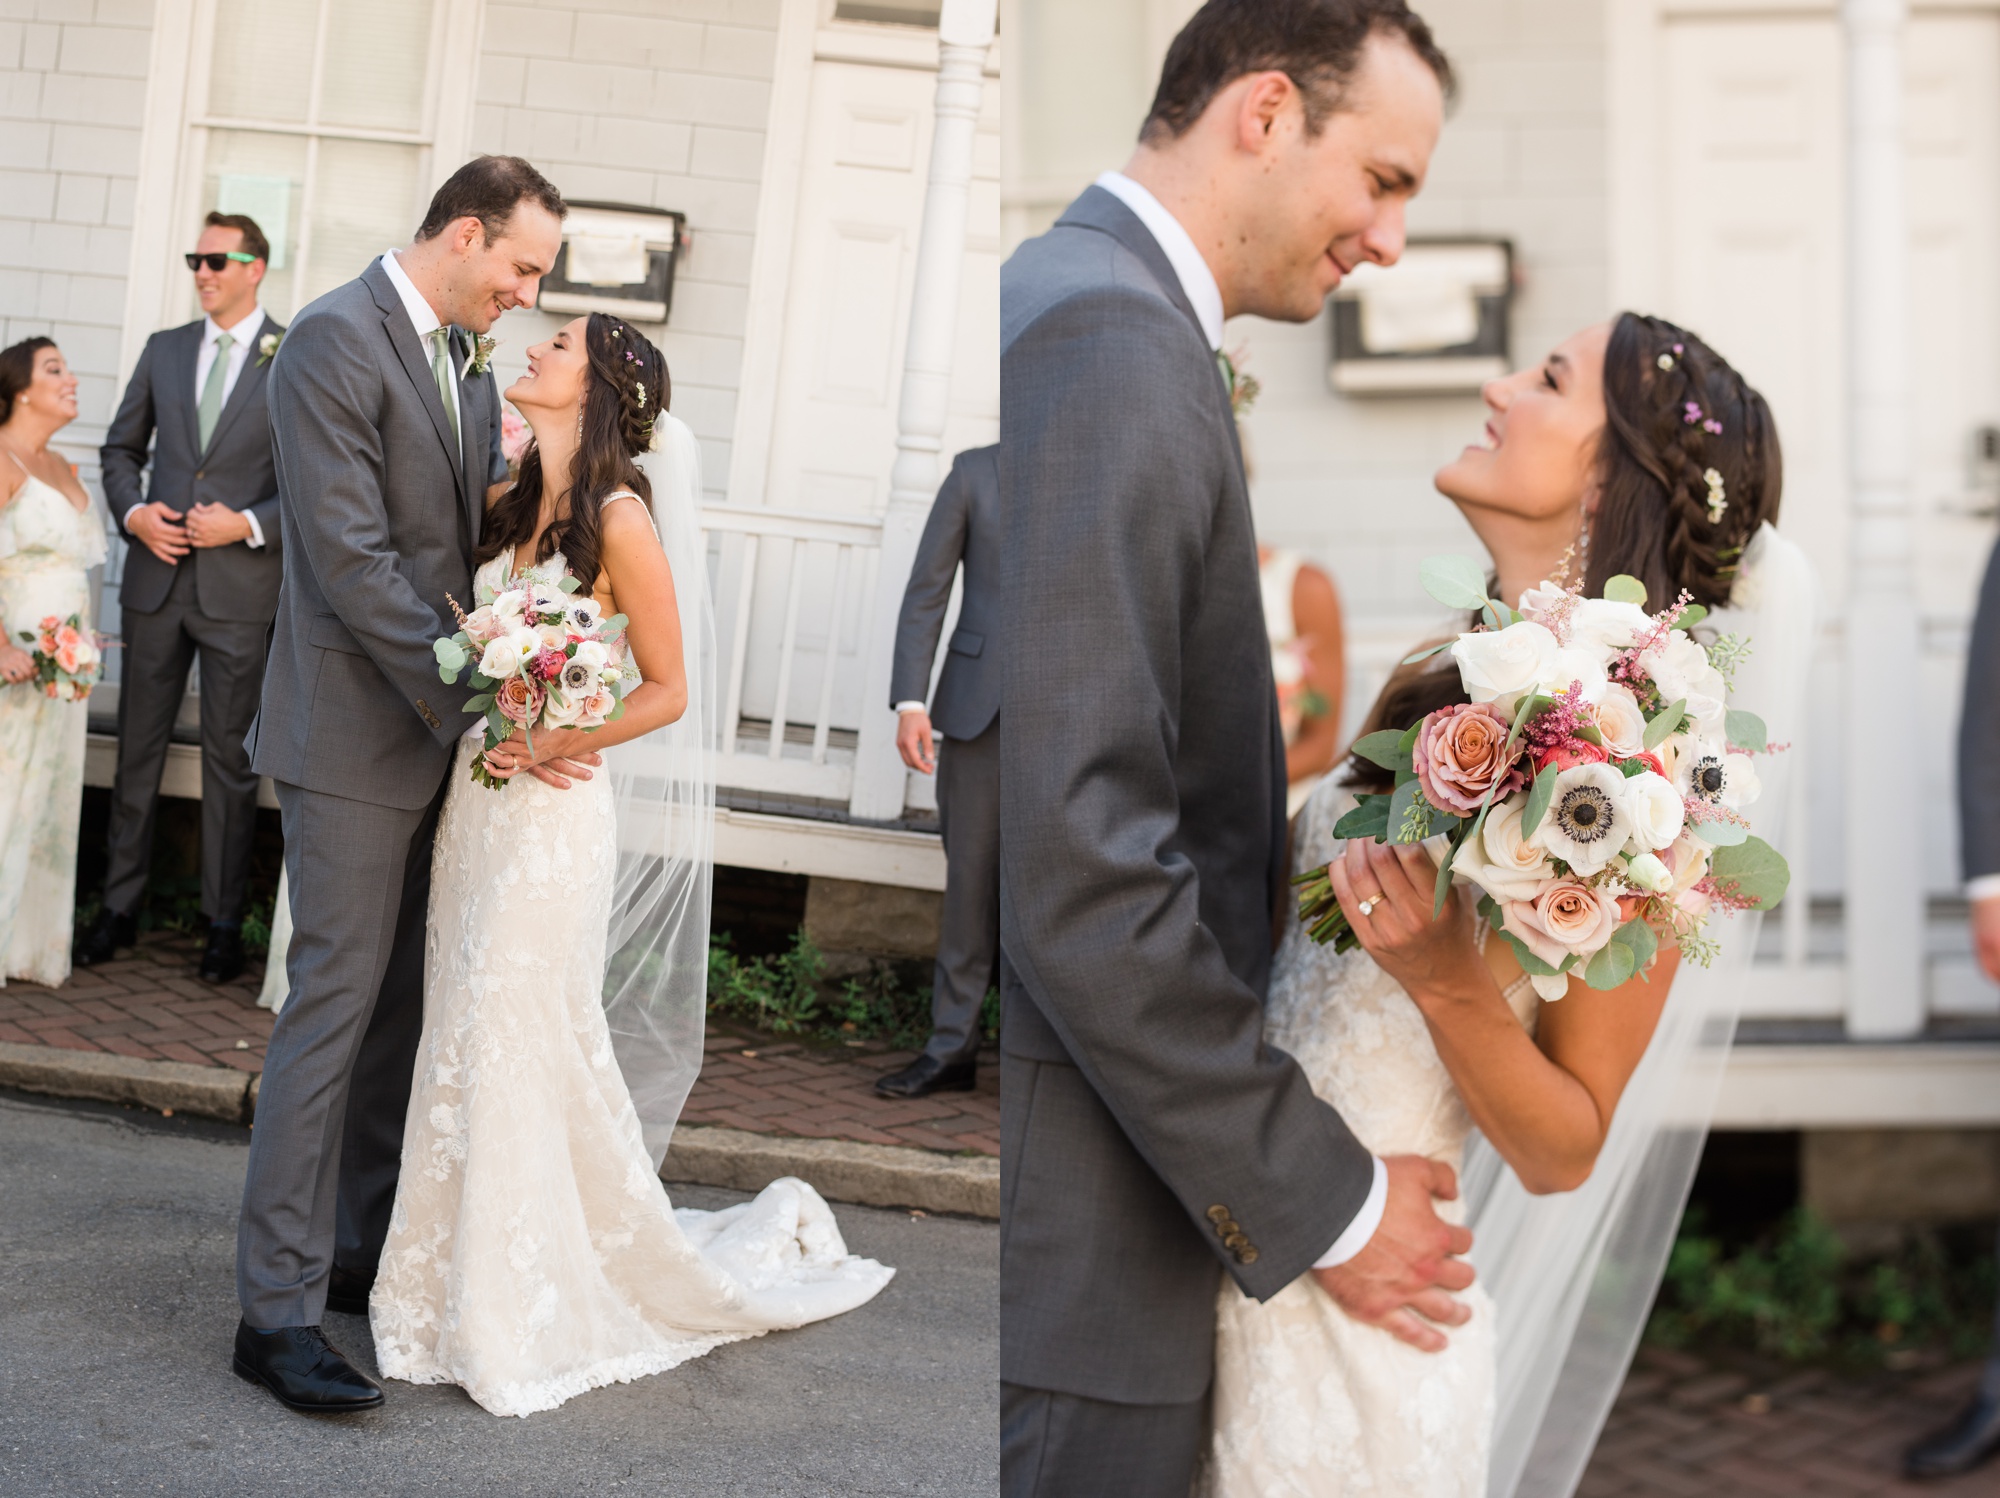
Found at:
(1362, 1228)
(911, 707)
(256, 530)
(131, 510)
(1985, 887)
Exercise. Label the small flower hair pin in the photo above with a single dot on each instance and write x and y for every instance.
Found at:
(1718, 501)
(1666, 361)
(639, 391)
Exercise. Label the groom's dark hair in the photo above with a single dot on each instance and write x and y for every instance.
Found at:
(1315, 43)
(489, 188)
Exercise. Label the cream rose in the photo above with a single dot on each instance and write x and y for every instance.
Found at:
(561, 711)
(501, 658)
(1656, 810)
(1621, 722)
(1502, 862)
(1605, 627)
(1574, 666)
(1497, 664)
(1647, 873)
(1565, 918)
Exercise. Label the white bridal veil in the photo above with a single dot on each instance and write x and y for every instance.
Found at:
(1573, 1275)
(656, 967)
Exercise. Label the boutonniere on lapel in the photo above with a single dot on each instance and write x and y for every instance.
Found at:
(482, 356)
(1242, 386)
(267, 348)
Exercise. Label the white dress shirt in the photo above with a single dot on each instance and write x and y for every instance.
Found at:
(425, 321)
(244, 333)
(1985, 887)
(1198, 283)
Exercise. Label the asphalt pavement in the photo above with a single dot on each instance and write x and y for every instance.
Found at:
(117, 1305)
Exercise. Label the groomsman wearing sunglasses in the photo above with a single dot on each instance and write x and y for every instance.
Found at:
(201, 579)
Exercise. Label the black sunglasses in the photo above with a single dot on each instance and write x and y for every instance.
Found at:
(218, 260)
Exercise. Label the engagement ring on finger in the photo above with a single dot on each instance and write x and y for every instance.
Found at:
(1367, 906)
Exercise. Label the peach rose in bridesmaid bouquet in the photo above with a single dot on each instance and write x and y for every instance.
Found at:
(1461, 754)
(1564, 918)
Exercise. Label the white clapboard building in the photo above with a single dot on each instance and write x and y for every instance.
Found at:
(1814, 187)
(817, 181)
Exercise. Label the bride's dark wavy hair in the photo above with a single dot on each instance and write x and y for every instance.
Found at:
(625, 389)
(1665, 392)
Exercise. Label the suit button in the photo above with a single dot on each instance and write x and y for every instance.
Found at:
(1227, 1226)
(1236, 1243)
(1247, 1256)
(1218, 1214)
(199, 473)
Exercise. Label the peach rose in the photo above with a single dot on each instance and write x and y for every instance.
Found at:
(519, 700)
(1621, 722)
(1461, 754)
(1564, 918)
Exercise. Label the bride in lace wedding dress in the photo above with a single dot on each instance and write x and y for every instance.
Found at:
(1429, 1037)
(533, 1253)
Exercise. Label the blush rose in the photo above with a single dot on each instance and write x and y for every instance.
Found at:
(1461, 754)
(1564, 918)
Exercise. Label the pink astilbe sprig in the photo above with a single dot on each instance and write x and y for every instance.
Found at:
(1699, 810)
(1625, 667)
(1555, 607)
(457, 612)
(1555, 726)
(1725, 894)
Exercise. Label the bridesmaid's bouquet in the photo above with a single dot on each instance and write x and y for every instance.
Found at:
(1593, 791)
(541, 658)
(68, 658)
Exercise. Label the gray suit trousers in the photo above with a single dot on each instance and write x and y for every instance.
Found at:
(325, 1153)
(1066, 1446)
(968, 956)
(159, 648)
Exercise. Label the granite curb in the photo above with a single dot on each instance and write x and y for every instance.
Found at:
(875, 1175)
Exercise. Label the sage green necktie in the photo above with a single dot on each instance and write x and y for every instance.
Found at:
(442, 372)
(211, 391)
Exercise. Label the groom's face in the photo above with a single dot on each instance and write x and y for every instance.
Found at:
(1337, 198)
(489, 278)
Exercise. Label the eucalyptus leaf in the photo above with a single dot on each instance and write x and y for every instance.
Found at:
(1539, 796)
(1641, 938)
(1755, 869)
(1369, 818)
(1384, 748)
(1589, 733)
(1692, 615)
(482, 682)
(615, 623)
(568, 583)
(480, 703)
(447, 675)
(1490, 908)
(1455, 582)
(1746, 731)
(1532, 964)
(1491, 614)
(1407, 744)
(1720, 834)
(1611, 967)
(1661, 727)
(1443, 888)
(449, 653)
(1424, 655)
(1401, 805)
(1625, 589)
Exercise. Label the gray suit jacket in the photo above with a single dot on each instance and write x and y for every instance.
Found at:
(963, 529)
(381, 511)
(1142, 837)
(1978, 731)
(157, 418)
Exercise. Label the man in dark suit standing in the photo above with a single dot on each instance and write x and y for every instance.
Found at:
(201, 577)
(963, 530)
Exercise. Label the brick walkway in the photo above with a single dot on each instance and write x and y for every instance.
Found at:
(152, 1006)
(1685, 1428)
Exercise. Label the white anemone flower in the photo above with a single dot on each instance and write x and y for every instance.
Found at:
(1587, 823)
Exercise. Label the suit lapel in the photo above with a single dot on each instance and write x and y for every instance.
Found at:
(416, 363)
(246, 385)
(190, 360)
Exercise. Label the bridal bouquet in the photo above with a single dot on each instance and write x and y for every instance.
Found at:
(68, 658)
(1593, 791)
(540, 656)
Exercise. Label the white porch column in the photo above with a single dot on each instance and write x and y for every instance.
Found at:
(965, 32)
(1883, 815)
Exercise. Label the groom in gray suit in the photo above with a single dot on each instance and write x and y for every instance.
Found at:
(386, 444)
(1150, 1140)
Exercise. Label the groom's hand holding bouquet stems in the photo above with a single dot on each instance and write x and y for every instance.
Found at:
(1590, 795)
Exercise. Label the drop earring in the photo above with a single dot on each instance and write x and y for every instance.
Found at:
(1583, 543)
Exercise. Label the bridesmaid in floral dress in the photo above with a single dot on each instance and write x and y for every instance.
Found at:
(50, 536)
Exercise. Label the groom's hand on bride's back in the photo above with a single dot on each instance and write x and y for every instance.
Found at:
(1403, 1279)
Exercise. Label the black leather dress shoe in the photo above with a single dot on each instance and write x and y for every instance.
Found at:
(222, 962)
(347, 1291)
(107, 934)
(304, 1370)
(1967, 1442)
(927, 1075)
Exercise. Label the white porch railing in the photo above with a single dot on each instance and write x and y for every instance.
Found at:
(784, 620)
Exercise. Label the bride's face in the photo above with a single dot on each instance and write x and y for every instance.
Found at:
(1538, 458)
(556, 373)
